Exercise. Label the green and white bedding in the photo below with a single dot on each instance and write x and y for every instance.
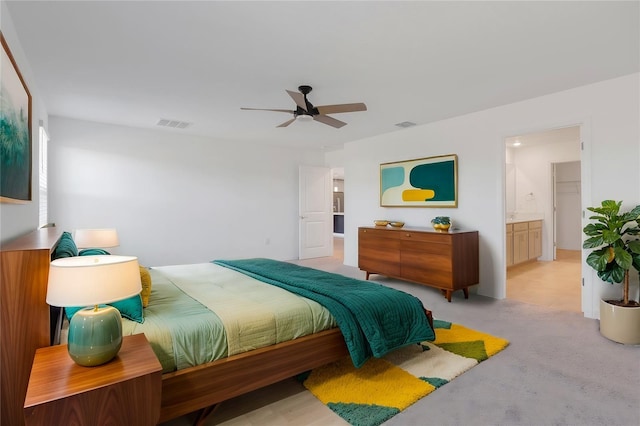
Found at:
(184, 331)
(202, 312)
(374, 319)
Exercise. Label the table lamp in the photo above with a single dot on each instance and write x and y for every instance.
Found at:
(95, 332)
(96, 238)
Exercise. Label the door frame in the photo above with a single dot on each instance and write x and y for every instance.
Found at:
(589, 304)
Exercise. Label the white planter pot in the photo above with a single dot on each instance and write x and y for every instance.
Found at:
(620, 324)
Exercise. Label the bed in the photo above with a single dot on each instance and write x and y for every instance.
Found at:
(185, 390)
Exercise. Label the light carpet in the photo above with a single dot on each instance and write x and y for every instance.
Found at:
(383, 387)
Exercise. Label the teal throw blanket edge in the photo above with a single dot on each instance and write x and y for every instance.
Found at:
(374, 319)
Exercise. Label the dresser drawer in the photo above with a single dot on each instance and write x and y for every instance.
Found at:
(426, 237)
(425, 247)
(377, 233)
(379, 251)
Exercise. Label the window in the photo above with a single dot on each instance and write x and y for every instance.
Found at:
(43, 216)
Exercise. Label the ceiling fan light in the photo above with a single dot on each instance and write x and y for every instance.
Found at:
(304, 118)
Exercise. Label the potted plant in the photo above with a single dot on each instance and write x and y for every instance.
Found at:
(441, 223)
(617, 250)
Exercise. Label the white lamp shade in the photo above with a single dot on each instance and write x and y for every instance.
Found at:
(92, 280)
(96, 238)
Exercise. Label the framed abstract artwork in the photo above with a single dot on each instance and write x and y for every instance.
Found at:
(424, 182)
(15, 136)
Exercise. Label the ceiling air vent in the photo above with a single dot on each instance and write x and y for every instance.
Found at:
(405, 124)
(173, 123)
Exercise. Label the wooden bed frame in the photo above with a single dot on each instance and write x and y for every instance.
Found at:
(26, 326)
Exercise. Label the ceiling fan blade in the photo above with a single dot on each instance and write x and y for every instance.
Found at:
(329, 120)
(298, 98)
(334, 109)
(290, 111)
(286, 123)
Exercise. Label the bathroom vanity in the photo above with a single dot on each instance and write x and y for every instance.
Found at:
(524, 241)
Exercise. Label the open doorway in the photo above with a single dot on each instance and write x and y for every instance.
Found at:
(543, 207)
(338, 212)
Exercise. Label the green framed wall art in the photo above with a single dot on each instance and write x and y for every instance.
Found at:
(424, 182)
(15, 137)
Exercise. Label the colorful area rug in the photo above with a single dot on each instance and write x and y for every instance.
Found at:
(383, 387)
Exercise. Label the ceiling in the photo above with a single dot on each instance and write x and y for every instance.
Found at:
(135, 63)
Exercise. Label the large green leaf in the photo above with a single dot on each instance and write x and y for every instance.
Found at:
(612, 273)
(601, 213)
(636, 261)
(598, 259)
(610, 236)
(622, 258)
(635, 212)
(611, 206)
(594, 229)
(634, 246)
(617, 273)
(634, 230)
(608, 208)
(602, 219)
(593, 242)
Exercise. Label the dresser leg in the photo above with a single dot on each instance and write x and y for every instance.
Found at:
(466, 292)
(367, 278)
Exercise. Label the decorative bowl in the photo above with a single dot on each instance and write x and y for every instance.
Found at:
(397, 224)
(381, 222)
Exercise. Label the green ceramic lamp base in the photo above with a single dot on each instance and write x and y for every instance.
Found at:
(95, 335)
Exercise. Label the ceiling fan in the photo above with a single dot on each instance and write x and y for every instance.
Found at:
(304, 108)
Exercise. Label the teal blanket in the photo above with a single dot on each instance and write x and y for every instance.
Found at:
(373, 319)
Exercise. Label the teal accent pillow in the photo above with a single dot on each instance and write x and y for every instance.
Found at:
(130, 308)
(93, 252)
(66, 247)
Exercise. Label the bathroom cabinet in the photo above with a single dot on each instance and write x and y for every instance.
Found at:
(524, 241)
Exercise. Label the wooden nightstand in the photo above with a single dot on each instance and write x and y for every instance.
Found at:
(123, 391)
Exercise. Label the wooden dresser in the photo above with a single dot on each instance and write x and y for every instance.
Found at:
(445, 260)
(25, 315)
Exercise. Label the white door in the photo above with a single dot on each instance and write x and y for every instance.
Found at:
(316, 224)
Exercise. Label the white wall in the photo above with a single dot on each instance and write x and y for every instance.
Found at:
(334, 158)
(19, 219)
(609, 115)
(175, 199)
